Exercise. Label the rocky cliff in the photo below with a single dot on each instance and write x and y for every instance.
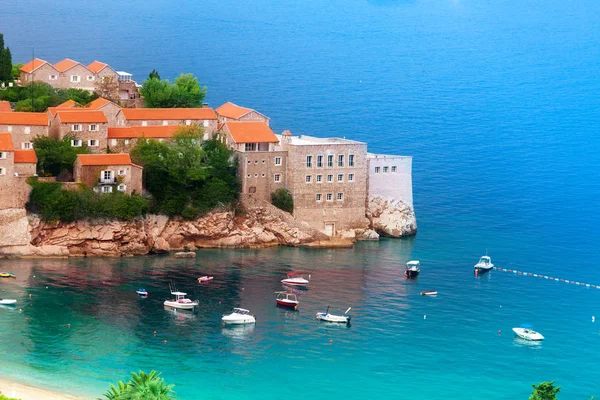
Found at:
(392, 218)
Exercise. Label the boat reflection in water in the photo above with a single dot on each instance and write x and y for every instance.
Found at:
(238, 331)
(180, 314)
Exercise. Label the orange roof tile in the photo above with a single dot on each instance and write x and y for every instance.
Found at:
(75, 116)
(6, 143)
(25, 156)
(23, 118)
(65, 64)
(68, 104)
(232, 111)
(5, 106)
(98, 103)
(179, 114)
(96, 66)
(133, 132)
(104, 159)
(251, 132)
(32, 65)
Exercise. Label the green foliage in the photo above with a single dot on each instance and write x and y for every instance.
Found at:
(52, 203)
(154, 75)
(187, 176)
(78, 95)
(282, 199)
(5, 62)
(44, 96)
(56, 156)
(16, 73)
(3, 397)
(141, 386)
(185, 92)
(544, 391)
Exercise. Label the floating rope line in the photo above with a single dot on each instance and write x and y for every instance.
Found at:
(550, 278)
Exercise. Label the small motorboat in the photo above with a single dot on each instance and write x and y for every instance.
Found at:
(7, 275)
(413, 268)
(142, 292)
(295, 279)
(286, 299)
(429, 293)
(239, 316)
(325, 316)
(8, 301)
(180, 301)
(203, 279)
(526, 332)
(484, 265)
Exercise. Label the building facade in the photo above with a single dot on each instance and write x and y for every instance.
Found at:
(87, 127)
(24, 127)
(206, 118)
(390, 177)
(25, 163)
(107, 173)
(233, 112)
(123, 139)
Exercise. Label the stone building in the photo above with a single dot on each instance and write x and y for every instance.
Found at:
(106, 173)
(14, 190)
(109, 109)
(233, 112)
(203, 117)
(103, 71)
(25, 162)
(390, 177)
(123, 139)
(327, 178)
(7, 158)
(40, 71)
(74, 75)
(89, 127)
(24, 127)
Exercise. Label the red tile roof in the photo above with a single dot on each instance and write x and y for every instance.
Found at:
(98, 103)
(251, 132)
(32, 65)
(104, 159)
(96, 66)
(6, 143)
(23, 118)
(133, 132)
(5, 106)
(85, 116)
(68, 104)
(179, 114)
(25, 156)
(65, 64)
(233, 111)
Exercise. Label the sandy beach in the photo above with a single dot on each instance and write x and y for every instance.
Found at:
(26, 392)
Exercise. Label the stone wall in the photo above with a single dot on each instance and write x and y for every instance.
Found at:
(390, 177)
(24, 133)
(41, 74)
(258, 171)
(14, 192)
(60, 130)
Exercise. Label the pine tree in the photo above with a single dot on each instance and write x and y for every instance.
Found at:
(5, 62)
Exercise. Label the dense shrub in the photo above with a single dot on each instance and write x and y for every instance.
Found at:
(44, 96)
(187, 176)
(52, 203)
(282, 199)
(56, 157)
(142, 386)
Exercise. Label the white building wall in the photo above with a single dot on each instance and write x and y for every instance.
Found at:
(391, 183)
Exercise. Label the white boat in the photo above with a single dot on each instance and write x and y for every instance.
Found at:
(429, 293)
(295, 279)
(8, 301)
(413, 268)
(484, 265)
(142, 292)
(203, 279)
(325, 316)
(526, 332)
(239, 316)
(180, 301)
(286, 299)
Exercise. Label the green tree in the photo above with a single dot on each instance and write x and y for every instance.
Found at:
(16, 71)
(282, 199)
(5, 62)
(157, 93)
(56, 156)
(142, 386)
(154, 75)
(544, 391)
(185, 92)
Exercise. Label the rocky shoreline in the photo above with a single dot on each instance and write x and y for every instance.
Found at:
(23, 235)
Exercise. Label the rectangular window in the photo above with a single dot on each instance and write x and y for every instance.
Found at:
(329, 196)
(76, 128)
(2, 156)
(277, 160)
(144, 123)
(113, 142)
(205, 123)
(393, 168)
(385, 170)
(26, 146)
(350, 177)
(351, 160)
(250, 146)
(340, 196)
(318, 197)
(330, 161)
(308, 161)
(9, 128)
(329, 178)
(122, 172)
(2, 171)
(165, 123)
(106, 176)
(90, 77)
(308, 178)
(341, 160)
(340, 178)
(92, 143)
(188, 122)
(319, 161)
(319, 178)
(126, 141)
(106, 189)
(121, 188)
(93, 127)
(277, 178)
(52, 77)
(377, 169)
(75, 78)
(27, 130)
(76, 143)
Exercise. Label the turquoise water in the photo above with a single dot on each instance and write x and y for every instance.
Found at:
(498, 103)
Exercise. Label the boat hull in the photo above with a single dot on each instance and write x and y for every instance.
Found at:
(239, 321)
(429, 293)
(339, 319)
(411, 274)
(294, 282)
(528, 334)
(181, 306)
(7, 275)
(287, 303)
(8, 302)
(482, 270)
(203, 279)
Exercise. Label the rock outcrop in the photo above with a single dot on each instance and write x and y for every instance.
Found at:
(393, 218)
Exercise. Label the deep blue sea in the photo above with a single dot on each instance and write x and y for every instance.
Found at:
(499, 104)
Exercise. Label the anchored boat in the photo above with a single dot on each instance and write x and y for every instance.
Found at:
(287, 299)
(413, 268)
(239, 316)
(142, 292)
(484, 265)
(204, 279)
(526, 332)
(327, 317)
(8, 301)
(7, 275)
(180, 301)
(429, 293)
(295, 279)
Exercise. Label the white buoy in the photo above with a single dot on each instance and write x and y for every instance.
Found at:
(593, 319)
(424, 316)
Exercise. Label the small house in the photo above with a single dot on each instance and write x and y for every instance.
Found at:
(89, 127)
(233, 112)
(24, 127)
(107, 173)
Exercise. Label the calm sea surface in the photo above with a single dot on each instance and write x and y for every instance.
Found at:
(498, 102)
